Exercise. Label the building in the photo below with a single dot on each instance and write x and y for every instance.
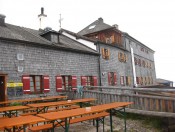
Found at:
(35, 62)
(124, 61)
(44, 61)
(164, 83)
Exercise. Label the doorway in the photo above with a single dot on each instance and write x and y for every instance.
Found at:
(3, 88)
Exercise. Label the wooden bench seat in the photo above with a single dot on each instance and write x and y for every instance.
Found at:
(72, 121)
(53, 110)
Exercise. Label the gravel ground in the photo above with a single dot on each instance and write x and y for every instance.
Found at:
(118, 126)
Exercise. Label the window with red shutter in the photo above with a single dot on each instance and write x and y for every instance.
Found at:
(74, 83)
(26, 84)
(112, 78)
(59, 87)
(83, 80)
(122, 80)
(115, 78)
(46, 84)
(94, 81)
(109, 78)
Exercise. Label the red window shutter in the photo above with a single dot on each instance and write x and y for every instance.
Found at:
(83, 81)
(115, 78)
(109, 78)
(122, 80)
(94, 81)
(46, 84)
(74, 83)
(59, 87)
(26, 84)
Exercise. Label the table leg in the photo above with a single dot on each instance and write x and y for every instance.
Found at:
(24, 128)
(53, 126)
(81, 104)
(111, 120)
(66, 125)
(14, 129)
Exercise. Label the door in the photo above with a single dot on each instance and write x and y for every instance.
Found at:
(3, 89)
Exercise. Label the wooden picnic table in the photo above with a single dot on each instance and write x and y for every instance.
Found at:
(67, 114)
(18, 121)
(12, 110)
(43, 107)
(29, 100)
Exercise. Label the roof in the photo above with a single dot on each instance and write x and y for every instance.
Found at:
(17, 33)
(159, 80)
(126, 34)
(96, 26)
(78, 36)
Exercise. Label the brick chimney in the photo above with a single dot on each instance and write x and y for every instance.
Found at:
(2, 20)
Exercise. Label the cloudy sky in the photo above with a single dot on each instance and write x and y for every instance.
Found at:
(152, 22)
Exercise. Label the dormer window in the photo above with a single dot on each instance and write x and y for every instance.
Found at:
(54, 38)
(91, 27)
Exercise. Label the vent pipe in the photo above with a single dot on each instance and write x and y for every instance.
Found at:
(2, 20)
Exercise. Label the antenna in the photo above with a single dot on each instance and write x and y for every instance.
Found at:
(61, 19)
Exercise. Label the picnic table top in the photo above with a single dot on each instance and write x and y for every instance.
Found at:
(67, 102)
(21, 120)
(33, 99)
(82, 111)
(11, 108)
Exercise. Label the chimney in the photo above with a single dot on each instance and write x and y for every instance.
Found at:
(115, 25)
(100, 19)
(2, 20)
(41, 18)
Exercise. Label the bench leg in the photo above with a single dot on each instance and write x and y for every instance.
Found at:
(97, 125)
(103, 120)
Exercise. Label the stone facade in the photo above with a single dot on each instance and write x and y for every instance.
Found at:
(39, 60)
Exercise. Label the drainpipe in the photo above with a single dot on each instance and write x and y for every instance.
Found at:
(133, 66)
(99, 62)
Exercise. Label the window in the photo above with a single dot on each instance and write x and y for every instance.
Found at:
(88, 80)
(122, 57)
(139, 62)
(110, 39)
(141, 80)
(35, 84)
(54, 38)
(128, 80)
(138, 80)
(142, 49)
(143, 63)
(145, 80)
(112, 78)
(122, 80)
(105, 53)
(66, 83)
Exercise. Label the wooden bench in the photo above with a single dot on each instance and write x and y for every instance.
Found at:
(54, 110)
(65, 108)
(72, 121)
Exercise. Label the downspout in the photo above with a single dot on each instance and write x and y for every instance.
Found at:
(99, 63)
(133, 66)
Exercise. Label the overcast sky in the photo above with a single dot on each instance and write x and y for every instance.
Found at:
(152, 22)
